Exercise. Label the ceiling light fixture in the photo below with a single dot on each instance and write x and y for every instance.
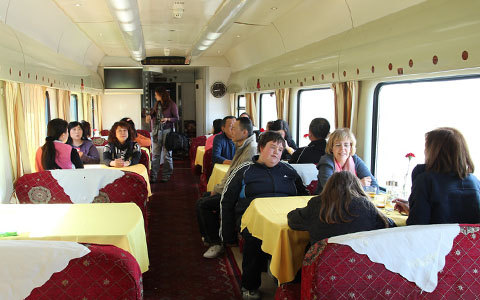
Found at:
(78, 4)
(273, 8)
(207, 42)
(238, 35)
(201, 47)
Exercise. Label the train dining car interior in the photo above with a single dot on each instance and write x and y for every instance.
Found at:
(239, 149)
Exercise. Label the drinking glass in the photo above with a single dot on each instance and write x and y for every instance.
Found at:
(371, 192)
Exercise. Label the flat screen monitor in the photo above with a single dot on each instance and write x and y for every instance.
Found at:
(123, 78)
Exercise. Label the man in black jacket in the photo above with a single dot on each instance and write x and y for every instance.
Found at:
(317, 133)
(264, 176)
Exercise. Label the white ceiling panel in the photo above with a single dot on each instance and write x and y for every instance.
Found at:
(265, 12)
(103, 34)
(88, 11)
(73, 43)
(93, 56)
(3, 10)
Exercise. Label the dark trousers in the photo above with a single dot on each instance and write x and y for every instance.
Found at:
(254, 261)
(208, 216)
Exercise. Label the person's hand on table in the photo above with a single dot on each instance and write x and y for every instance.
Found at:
(366, 181)
(117, 163)
(213, 193)
(401, 206)
(127, 163)
(227, 162)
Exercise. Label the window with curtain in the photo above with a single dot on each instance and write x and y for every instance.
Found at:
(93, 113)
(406, 111)
(268, 109)
(47, 109)
(241, 105)
(313, 103)
(73, 107)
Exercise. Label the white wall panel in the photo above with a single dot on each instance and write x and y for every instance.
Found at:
(118, 106)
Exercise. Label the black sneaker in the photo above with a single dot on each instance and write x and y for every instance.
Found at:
(164, 180)
(251, 295)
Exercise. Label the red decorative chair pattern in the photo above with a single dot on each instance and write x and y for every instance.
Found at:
(207, 171)
(143, 132)
(334, 271)
(145, 160)
(99, 141)
(107, 272)
(42, 188)
(195, 142)
(312, 187)
(104, 132)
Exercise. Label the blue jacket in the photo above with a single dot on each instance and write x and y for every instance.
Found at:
(438, 198)
(223, 148)
(253, 180)
(326, 167)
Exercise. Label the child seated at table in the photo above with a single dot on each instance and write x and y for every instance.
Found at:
(55, 154)
(341, 208)
(121, 151)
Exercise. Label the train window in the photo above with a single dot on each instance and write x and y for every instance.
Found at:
(241, 105)
(404, 112)
(314, 103)
(73, 107)
(93, 113)
(47, 109)
(268, 109)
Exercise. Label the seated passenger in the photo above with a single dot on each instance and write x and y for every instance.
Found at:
(282, 127)
(341, 208)
(317, 133)
(217, 129)
(208, 207)
(340, 156)
(121, 151)
(55, 154)
(143, 141)
(246, 115)
(444, 190)
(264, 176)
(86, 149)
(223, 148)
(87, 130)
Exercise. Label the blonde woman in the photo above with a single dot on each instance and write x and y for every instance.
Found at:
(340, 156)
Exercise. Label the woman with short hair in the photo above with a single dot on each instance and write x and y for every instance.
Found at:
(121, 151)
(444, 189)
(340, 156)
(55, 154)
(341, 208)
(86, 149)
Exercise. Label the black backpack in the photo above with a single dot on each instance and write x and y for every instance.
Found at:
(176, 142)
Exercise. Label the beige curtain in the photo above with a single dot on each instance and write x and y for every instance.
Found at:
(79, 106)
(34, 114)
(87, 108)
(53, 96)
(233, 104)
(282, 97)
(98, 112)
(346, 104)
(251, 106)
(16, 130)
(63, 104)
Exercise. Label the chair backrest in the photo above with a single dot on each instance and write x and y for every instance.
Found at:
(107, 272)
(104, 132)
(143, 132)
(145, 160)
(335, 271)
(99, 141)
(42, 188)
(312, 187)
(194, 143)
(207, 163)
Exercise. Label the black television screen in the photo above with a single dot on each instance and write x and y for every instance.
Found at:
(123, 78)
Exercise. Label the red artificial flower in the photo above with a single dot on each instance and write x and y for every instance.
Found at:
(95, 129)
(262, 130)
(410, 155)
(305, 135)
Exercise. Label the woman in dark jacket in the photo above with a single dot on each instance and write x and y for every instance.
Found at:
(164, 116)
(121, 150)
(444, 189)
(341, 208)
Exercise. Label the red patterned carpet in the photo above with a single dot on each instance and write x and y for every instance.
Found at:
(177, 268)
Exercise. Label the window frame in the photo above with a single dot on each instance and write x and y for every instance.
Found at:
(241, 107)
(260, 107)
(48, 114)
(76, 104)
(299, 93)
(374, 145)
(93, 113)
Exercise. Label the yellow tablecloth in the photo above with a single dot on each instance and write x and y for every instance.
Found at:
(138, 168)
(199, 156)
(118, 224)
(219, 171)
(266, 219)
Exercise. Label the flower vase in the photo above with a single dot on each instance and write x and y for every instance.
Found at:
(405, 187)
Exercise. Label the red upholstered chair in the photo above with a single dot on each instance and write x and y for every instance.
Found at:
(99, 141)
(312, 187)
(42, 188)
(195, 142)
(145, 133)
(334, 271)
(207, 170)
(145, 160)
(107, 272)
(104, 132)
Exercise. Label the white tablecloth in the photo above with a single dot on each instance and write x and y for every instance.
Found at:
(308, 172)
